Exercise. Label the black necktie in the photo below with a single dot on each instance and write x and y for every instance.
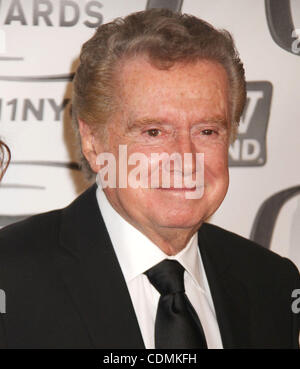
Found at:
(177, 325)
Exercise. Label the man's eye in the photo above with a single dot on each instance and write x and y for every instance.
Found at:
(153, 132)
(207, 132)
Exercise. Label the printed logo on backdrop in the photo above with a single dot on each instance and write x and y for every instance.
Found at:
(167, 4)
(35, 89)
(249, 149)
(283, 18)
(60, 13)
(34, 17)
(265, 222)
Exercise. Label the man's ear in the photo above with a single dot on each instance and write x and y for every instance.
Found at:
(90, 145)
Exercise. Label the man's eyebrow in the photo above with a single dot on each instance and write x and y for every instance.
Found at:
(140, 123)
(143, 122)
(216, 120)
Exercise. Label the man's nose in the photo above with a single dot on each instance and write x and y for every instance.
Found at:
(184, 145)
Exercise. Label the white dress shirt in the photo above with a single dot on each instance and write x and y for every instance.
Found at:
(136, 254)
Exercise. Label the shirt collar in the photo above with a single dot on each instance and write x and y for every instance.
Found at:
(136, 253)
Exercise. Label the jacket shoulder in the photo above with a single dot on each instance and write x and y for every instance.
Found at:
(33, 236)
(34, 231)
(250, 258)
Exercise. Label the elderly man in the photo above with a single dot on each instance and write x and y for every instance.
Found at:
(135, 266)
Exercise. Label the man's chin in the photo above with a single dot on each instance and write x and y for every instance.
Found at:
(179, 221)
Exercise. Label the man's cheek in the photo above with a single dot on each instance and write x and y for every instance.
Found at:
(215, 166)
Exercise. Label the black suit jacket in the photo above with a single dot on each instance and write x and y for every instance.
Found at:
(65, 289)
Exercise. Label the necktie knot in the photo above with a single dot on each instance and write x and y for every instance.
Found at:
(167, 277)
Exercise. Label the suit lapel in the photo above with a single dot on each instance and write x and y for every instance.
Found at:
(229, 294)
(93, 277)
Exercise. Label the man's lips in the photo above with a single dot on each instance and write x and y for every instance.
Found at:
(177, 189)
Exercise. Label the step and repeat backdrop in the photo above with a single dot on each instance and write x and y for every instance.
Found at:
(40, 41)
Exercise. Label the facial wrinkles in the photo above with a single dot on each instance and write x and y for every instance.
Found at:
(179, 106)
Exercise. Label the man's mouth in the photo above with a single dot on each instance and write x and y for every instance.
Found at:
(177, 189)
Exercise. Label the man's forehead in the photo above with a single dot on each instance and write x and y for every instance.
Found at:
(141, 67)
(187, 91)
(139, 78)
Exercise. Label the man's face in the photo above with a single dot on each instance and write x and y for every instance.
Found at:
(180, 110)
